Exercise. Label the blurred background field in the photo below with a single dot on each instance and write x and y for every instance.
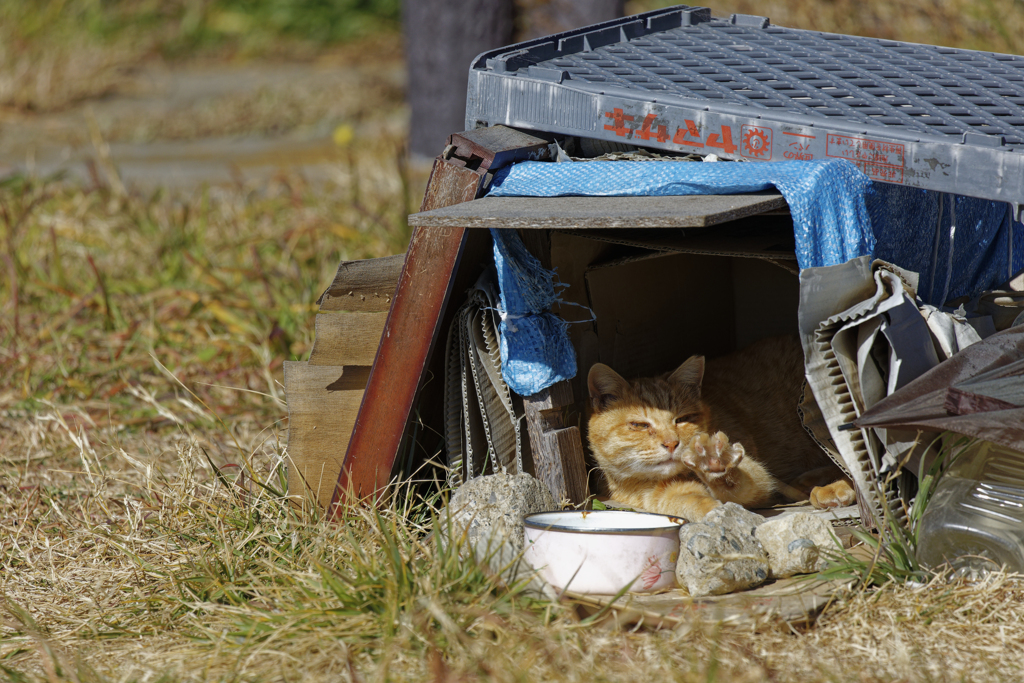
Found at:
(178, 182)
(204, 164)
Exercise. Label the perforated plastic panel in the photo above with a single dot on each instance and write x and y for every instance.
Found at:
(678, 79)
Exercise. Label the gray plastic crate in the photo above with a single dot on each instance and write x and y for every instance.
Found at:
(679, 79)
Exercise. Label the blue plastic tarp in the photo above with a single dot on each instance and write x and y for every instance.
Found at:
(826, 198)
(838, 213)
(959, 245)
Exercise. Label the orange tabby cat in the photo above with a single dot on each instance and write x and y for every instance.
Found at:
(705, 434)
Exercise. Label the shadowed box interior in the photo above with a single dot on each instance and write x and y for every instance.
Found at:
(703, 275)
(665, 278)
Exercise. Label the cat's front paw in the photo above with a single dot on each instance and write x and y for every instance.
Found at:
(712, 457)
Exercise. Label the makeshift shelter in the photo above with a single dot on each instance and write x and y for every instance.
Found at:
(938, 131)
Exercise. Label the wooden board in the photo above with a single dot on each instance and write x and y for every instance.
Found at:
(410, 333)
(793, 601)
(347, 338)
(366, 285)
(419, 310)
(449, 184)
(557, 449)
(322, 404)
(409, 337)
(496, 146)
(586, 213)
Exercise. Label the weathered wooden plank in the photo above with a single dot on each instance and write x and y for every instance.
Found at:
(417, 314)
(323, 402)
(449, 184)
(698, 211)
(347, 338)
(408, 339)
(561, 464)
(366, 285)
(558, 458)
(483, 148)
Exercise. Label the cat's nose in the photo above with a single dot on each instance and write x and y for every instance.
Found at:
(670, 446)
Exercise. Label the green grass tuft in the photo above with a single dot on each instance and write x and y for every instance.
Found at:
(893, 550)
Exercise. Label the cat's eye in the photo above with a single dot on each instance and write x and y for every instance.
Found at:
(689, 417)
(639, 425)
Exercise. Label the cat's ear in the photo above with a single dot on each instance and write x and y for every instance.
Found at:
(606, 386)
(690, 373)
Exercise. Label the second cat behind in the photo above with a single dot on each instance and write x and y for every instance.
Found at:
(711, 432)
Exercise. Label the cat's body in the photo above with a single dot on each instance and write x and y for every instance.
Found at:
(727, 430)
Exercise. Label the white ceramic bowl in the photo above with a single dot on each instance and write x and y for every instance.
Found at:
(603, 551)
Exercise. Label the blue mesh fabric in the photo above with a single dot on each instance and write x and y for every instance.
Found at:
(826, 198)
(534, 343)
(526, 285)
(535, 353)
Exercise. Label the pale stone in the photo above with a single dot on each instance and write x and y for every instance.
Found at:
(796, 543)
(714, 560)
(734, 518)
(490, 509)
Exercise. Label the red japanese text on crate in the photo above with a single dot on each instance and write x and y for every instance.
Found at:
(879, 160)
(799, 146)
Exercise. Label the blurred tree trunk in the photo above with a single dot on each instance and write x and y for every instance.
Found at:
(441, 39)
(443, 36)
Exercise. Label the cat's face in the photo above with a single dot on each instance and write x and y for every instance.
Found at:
(639, 429)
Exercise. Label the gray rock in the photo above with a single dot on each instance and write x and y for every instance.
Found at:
(734, 518)
(490, 509)
(795, 544)
(714, 560)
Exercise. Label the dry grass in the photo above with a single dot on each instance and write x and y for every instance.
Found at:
(305, 97)
(142, 531)
(128, 557)
(100, 287)
(142, 341)
(56, 53)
